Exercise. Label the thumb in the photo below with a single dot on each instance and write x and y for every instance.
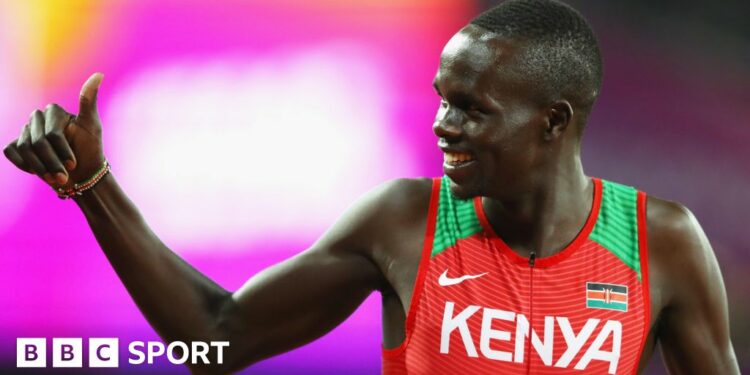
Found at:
(87, 106)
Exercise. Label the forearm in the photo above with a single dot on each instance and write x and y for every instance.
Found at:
(177, 300)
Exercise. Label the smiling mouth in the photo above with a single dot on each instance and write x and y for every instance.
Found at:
(457, 159)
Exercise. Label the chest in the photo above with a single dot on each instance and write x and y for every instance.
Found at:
(474, 303)
(479, 306)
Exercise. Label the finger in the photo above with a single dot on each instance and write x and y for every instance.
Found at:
(27, 153)
(44, 151)
(12, 154)
(55, 121)
(89, 92)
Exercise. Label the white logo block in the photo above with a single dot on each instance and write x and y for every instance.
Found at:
(104, 352)
(67, 352)
(31, 352)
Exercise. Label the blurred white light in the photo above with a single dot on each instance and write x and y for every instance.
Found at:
(236, 150)
(15, 97)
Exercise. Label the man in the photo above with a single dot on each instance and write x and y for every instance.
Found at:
(514, 262)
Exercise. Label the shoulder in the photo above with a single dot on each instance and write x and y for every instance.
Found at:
(680, 255)
(387, 210)
(671, 221)
(401, 194)
(395, 200)
(382, 226)
(673, 229)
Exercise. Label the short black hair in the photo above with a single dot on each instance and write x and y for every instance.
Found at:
(560, 54)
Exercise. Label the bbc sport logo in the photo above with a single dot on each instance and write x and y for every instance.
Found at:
(105, 352)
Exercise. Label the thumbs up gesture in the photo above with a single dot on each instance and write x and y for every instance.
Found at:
(60, 147)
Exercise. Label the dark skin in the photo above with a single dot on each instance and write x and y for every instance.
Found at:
(527, 170)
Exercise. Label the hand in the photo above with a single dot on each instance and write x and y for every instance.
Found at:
(59, 147)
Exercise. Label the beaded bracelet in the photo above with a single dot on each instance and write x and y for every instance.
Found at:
(79, 188)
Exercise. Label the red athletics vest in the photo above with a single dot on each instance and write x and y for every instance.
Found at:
(480, 308)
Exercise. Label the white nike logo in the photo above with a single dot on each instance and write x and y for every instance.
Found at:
(444, 280)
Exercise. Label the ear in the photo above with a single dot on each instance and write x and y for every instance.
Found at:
(559, 118)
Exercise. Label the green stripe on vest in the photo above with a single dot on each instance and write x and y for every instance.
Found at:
(456, 219)
(617, 226)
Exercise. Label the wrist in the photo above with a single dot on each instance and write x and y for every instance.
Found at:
(79, 188)
(95, 194)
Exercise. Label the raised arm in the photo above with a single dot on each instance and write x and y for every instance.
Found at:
(693, 326)
(280, 308)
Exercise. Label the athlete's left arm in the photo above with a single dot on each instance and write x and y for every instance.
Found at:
(693, 322)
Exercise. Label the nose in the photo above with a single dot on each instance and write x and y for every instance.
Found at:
(447, 124)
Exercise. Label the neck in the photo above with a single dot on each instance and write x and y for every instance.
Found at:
(548, 215)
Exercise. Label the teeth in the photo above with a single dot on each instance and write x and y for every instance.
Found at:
(456, 157)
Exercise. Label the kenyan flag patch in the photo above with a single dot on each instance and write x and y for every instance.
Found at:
(606, 296)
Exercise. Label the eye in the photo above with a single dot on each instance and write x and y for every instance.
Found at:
(443, 103)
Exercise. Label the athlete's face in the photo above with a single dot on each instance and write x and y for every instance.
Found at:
(489, 127)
